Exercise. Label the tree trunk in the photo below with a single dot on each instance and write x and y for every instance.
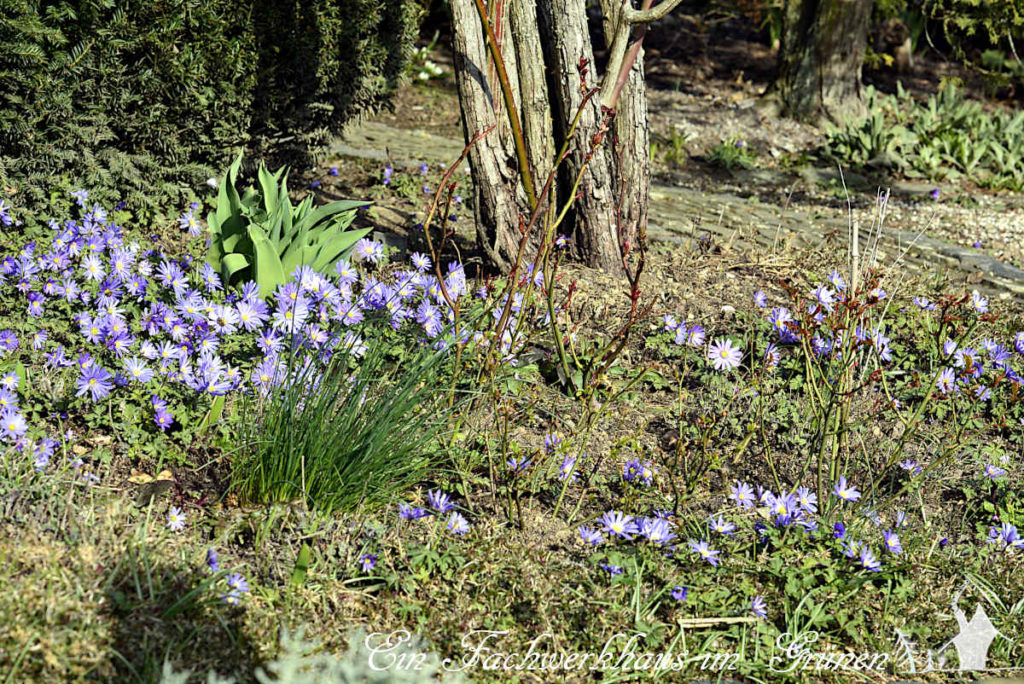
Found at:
(543, 43)
(498, 195)
(820, 57)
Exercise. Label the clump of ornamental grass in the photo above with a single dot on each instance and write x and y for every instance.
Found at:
(336, 429)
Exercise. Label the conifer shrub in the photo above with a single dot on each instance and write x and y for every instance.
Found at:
(141, 100)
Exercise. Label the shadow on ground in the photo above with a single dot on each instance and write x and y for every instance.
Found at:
(160, 614)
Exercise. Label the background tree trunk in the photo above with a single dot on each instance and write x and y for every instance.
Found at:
(542, 43)
(820, 57)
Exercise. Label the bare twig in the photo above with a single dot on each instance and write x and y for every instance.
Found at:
(623, 53)
(510, 105)
(1013, 48)
(646, 15)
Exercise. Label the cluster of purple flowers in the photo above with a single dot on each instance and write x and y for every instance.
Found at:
(800, 507)
(655, 529)
(14, 427)
(797, 509)
(237, 584)
(722, 353)
(440, 504)
(658, 529)
(13, 420)
(690, 336)
(145, 319)
(1005, 537)
(554, 443)
(639, 472)
(974, 372)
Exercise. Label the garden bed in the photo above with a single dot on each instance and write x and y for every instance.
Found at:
(769, 466)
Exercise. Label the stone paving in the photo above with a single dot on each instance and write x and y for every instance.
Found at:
(679, 214)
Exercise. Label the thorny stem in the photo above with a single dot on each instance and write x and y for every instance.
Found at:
(542, 206)
(510, 105)
(597, 414)
(578, 462)
(544, 248)
(435, 253)
(912, 428)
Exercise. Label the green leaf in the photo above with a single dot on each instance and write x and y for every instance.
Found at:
(336, 248)
(237, 243)
(226, 220)
(19, 370)
(215, 251)
(302, 212)
(250, 200)
(297, 256)
(287, 224)
(232, 265)
(268, 183)
(301, 566)
(321, 213)
(267, 270)
(213, 415)
(299, 252)
(302, 225)
(274, 226)
(228, 202)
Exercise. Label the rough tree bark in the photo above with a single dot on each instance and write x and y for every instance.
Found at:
(492, 159)
(820, 57)
(543, 43)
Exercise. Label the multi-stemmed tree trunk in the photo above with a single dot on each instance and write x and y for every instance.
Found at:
(821, 53)
(544, 44)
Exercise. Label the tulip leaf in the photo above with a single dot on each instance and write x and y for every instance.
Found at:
(232, 265)
(262, 236)
(266, 263)
(333, 250)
